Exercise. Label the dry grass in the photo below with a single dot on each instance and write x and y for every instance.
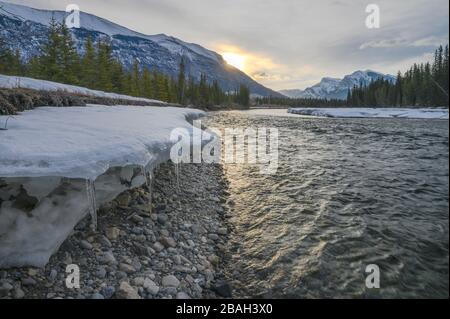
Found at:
(13, 101)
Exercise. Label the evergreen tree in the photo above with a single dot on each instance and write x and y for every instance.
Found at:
(70, 63)
(6, 58)
(88, 73)
(422, 85)
(104, 64)
(50, 61)
(181, 87)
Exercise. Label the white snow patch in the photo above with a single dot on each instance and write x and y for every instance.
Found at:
(13, 82)
(84, 142)
(411, 113)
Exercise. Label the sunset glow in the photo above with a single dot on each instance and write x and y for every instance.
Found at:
(236, 60)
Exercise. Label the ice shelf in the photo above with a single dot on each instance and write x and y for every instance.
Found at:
(59, 164)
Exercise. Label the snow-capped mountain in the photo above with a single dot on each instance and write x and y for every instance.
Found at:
(25, 28)
(332, 88)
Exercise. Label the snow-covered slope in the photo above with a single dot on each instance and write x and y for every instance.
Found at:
(332, 88)
(25, 28)
(11, 82)
(94, 23)
(412, 113)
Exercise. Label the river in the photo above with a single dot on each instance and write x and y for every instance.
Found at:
(348, 193)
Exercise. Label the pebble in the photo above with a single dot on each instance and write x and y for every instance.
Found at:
(125, 291)
(100, 273)
(223, 289)
(5, 288)
(158, 247)
(151, 287)
(108, 292)
(18, 293)
(214, 237)
(107, 258)
(222, 231)
(85, 245)
(168, 242)
(163, 218)
(170, 281)
(112, 233)
(28, 282)
(183, 296)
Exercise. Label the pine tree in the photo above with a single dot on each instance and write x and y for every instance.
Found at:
(203, 99)
(136, 80)
(5, 57)
(50, 60)
(104, 64)
(70, 63)
(181, 88)
(88, 72)
(147, 84)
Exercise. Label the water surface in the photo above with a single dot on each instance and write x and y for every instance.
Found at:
(348, 193)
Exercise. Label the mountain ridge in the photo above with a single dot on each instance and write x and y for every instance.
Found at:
(335, 88)
(25, 28)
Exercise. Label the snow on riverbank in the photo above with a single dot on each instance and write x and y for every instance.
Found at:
(59, 164)
(84, 142)
(412, 113)
(12, 82)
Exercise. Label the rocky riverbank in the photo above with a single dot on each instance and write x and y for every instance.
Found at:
(164, 241)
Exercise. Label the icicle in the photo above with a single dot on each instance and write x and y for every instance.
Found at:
(90, 191)
(177, 173)
(150, 190)
(148, 174)
(144, 172)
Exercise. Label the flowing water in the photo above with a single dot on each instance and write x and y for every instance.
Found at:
(348, 193)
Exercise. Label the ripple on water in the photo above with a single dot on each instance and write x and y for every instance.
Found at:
(348, 193)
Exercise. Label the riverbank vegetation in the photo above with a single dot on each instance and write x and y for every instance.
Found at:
(423, 84)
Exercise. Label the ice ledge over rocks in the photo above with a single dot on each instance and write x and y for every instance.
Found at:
(84, 142)
(58, 164)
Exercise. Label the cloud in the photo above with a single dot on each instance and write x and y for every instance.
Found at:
(431, 41)
(292, 42)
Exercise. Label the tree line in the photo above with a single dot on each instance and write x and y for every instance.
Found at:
(300, 102)
(98, 69)
(425, 84)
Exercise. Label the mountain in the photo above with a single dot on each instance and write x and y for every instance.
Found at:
(332, 88)
(26, 28)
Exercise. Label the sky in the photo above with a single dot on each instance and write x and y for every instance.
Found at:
(287, 44)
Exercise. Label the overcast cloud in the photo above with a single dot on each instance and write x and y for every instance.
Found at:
(288, 43)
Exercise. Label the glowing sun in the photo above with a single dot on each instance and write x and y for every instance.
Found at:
(236, 60)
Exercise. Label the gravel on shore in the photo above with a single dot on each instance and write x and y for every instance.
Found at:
(166, 243)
